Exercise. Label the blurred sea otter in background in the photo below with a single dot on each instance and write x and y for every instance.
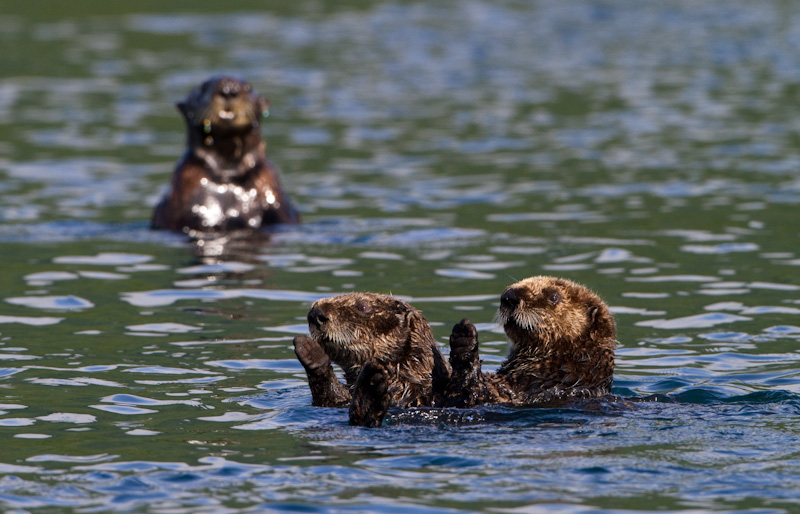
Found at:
(224, 181)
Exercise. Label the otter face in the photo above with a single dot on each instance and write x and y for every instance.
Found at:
(223, 104)
(357, 327)
(545, 311)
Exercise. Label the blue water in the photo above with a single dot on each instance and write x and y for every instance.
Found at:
(439, 151)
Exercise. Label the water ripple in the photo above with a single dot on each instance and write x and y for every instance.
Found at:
(697, 321)
(166, 328)
(720, 248)
(163, 370)
(32, 321)
(105, 259)
(125, 410)
(69, 302)
(280, 366)
(164, 297)
(80, 459)
(66, 417)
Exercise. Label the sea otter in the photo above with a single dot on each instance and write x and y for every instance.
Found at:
(384, 346)
(224, 181)
(562, 339)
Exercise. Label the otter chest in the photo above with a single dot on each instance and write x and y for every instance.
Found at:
(230, 206)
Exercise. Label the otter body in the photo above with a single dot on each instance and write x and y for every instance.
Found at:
(224, 181)
(384, 346)
(562, 339)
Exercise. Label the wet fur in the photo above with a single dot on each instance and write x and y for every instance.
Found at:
(379, 342)
(562, 339)
(224, 181)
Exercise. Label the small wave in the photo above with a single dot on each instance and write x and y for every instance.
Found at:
(68, 417)
(720, 248)
(105, 259)
(420, 462)
(463, 273)
(164, 297)
(58, 303)
(81, 230)
(280, 366)
(697, 321)
(167, 328)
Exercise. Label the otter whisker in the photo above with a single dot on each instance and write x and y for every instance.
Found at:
(501, 317)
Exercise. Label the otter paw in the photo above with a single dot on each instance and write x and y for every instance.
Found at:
(310, 354)
(463, 343)
(370, 396)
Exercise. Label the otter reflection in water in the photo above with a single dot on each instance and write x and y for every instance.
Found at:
(562, 339)
(384, 346)
(224, 181)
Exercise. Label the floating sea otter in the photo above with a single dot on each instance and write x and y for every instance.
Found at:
(562, 339)
(384, 346)
(224, 181)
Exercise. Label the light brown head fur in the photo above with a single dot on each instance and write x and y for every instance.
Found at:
(355, 328)
(561, 333)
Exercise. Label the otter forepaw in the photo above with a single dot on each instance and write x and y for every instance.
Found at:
(326, 390)
(310, 354)
(370, 396)
(463, 345)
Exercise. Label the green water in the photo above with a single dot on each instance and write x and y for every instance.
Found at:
(439, 151)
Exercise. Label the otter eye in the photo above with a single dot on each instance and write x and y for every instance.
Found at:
(554, 298)
(364, 308)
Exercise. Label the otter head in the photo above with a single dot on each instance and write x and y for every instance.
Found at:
(357, 327)
(222, 105)
(542, 314)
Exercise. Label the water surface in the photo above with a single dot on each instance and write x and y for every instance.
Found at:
(439, 151)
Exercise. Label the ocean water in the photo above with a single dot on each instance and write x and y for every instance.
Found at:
(439, 151)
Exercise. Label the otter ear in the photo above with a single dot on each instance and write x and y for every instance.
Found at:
(593, 310)
(418, 327)
(601, 322)
(184, 108)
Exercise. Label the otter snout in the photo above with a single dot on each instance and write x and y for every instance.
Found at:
(316, 317)
(509, 300)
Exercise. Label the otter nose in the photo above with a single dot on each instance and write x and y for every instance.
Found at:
(229, 88)
(509, 299)
(316, 317)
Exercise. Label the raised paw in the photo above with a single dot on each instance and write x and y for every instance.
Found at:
(370, 396)
(466, 387)
(463, 345)
(310, 354)
(326, 390)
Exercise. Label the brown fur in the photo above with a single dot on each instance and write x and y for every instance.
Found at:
(562, 339)
(224, 181)
(380, 342)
